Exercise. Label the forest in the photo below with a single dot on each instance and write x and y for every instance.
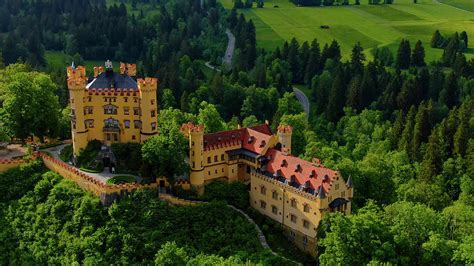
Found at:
(400, 127)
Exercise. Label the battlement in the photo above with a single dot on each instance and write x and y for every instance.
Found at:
(78, 72)
(190, 128)
(285, 129)
(147, 84)
(98, 70)
(128, 69)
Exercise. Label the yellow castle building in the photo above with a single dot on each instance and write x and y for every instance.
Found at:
(110, 106)
(291, 191)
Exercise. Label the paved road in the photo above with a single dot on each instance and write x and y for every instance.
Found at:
(303, 99)
(229, 53)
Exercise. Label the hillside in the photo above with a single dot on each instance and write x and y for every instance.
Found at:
(382, 25)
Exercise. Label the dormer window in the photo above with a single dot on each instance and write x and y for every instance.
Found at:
(219, 138)
(313, 174)
(262, 144)
(250, 140)
(283, 163)
(293, 178)
(298, 168)
(325, 178)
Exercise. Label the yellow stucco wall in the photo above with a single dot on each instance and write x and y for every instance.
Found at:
(9, 164)
(136, 111)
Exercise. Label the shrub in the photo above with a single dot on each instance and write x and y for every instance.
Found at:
(87, 157)
(66, 153)
(128, 156)
(119, 179)
(234, 193)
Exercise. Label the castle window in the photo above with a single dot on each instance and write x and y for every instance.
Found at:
(152, 113)
(90, 110)
(137, 124)
(263, 204)
(222, 157)
(305, 224)
(274, 209)
(305, 240)
(126, 110)
(108, 136)
(135, 99)
(215, 158)
(275, 195)
(192, 143)
(133, 137)
(89, 99)
(152, 102)
(306, 208)
(336, 187)
(293, 203)
(192, 154)
(115, 137)
(194, 165)
(73, 124)
(263, 190)
(72, 100)
(136, 111)
(215, 171)
(293, 218)
(153, 126)
(209, 159)
(125, 99)
(111, 123)
(110, 109)
(89, 123)
(126, 123)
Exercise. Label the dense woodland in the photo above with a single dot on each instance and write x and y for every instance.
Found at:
(401, 127)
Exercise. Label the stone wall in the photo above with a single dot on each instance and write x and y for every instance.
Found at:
(108, 193)
(6, 164)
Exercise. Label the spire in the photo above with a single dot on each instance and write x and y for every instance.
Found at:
(349, 182)
(321, 193)
(72, 65)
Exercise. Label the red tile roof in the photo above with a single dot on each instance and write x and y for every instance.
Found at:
(232, 137)
(302, 171)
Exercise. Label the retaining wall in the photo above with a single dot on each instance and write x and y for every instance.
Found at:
(6, 164)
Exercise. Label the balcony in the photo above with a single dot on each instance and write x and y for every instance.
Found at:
(111, 129)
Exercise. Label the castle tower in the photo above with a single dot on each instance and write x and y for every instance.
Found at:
(76, 82)
(149, 107)
(195, 134)
(284, 137)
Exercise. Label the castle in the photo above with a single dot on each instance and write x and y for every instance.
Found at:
(291, 191)
(111, 107)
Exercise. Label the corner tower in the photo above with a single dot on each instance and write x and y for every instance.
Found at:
(149, 107)
(76, 83)
(195, 134)
(284, 137)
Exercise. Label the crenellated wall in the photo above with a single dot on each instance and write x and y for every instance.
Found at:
(6, 164)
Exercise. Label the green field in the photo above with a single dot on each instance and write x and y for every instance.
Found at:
(382, 25)
(59, 60)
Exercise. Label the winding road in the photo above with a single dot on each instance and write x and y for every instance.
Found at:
(303, 99)
(229, 53)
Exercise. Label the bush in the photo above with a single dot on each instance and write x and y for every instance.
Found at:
(119, 179)
(128, 156)
(87, 157)
(234, 193)
(66, 153)
(17, 181)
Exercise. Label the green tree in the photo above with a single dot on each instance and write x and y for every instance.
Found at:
(299, 122)
(31, 106)
(407, 134)
(250, 121)
(210, 118)
(432, 161)
(287, 105)
(337, 99)
(168, 100)
(437, 40)
(171, 255)
(450, 93)
(357, 59)
(166, 153)
(418, 55)
(403, 54)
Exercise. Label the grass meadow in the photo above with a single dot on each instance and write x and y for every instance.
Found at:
(380, 25)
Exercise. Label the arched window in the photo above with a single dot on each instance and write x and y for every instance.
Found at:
(263, 190)
(111, 123)
(110, 109)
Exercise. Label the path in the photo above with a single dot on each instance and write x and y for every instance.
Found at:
(229, 53)
(303, 99)
(102, 177)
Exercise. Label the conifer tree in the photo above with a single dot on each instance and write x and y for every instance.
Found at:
(405, 98)
(418, 56)
(367, 88)
(463, 37)
(407, 134)
(451, 49)
(322, 93)
(461, 137)
(303, 60)
(337, 94)
(403, 54)
(313, 66)
(357, 59)
(422, 127)
(449, 94)
(436, 40)
(397, 129)
(354, 97)
(432, 161)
